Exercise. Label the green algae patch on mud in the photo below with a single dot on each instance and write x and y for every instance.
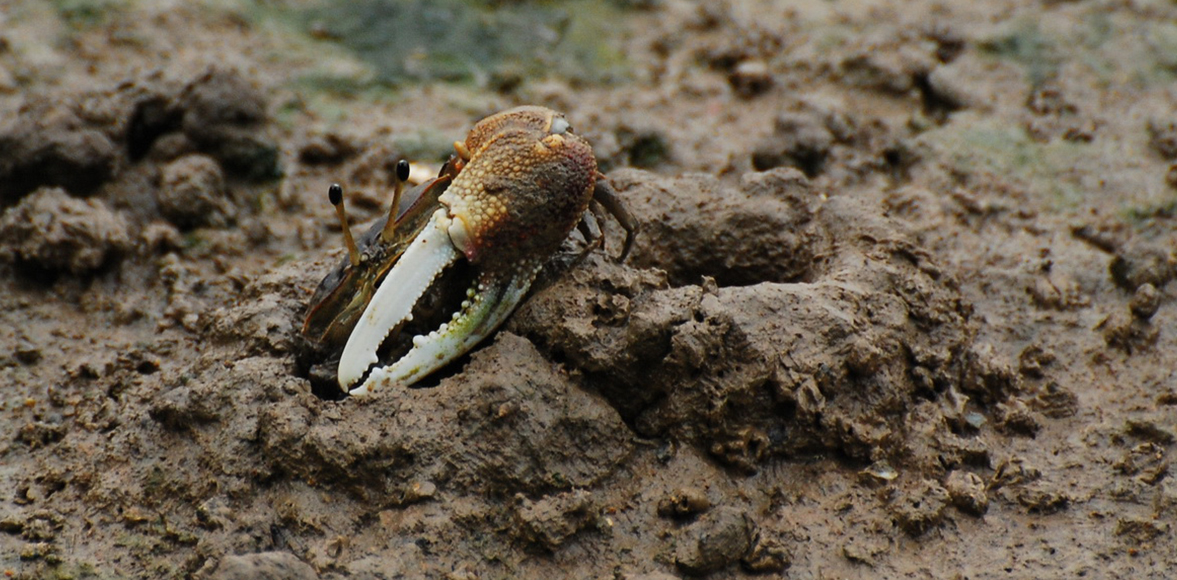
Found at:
(1116, 48)
(462, 40)
(975, 145)
(82, 14)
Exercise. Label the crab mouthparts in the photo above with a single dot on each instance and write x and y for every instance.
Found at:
(489, 301)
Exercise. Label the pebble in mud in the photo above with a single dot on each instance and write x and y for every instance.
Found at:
(192, 193)
(750, 78)
(51, 231)
(967, 492)
(1145, 301)
(920, 507)
(552, 520)
(264, 566)
(683, 502)
(717, 540)
(1143, 263)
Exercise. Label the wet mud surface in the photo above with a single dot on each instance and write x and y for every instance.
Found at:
(901, 305)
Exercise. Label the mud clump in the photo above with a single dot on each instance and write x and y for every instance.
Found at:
(1162, 137)
(773, 369)
(192, 193)
(694, 226)
(1140, 262)
(264, 566)
(632, 142)
(719, 539)
(920, 507)
(44, 146)
(1129, 332)
(116, 144)
(510, 423)
(967, 492)
(51, 231)
(798, 140)
(225, 115)
(683, 503)
(1145, 301)
(550, 521)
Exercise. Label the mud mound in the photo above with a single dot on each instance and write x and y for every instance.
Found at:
(50, 231)
(695, 226)
(873, 346)
(531, 442)
(510, 422)
(150, 149)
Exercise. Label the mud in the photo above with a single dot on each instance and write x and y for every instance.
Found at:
(900, 306)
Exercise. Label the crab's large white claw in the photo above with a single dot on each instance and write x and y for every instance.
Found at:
(489, 302)
(488, 306)
(425, 258)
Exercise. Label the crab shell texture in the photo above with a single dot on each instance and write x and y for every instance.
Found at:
(526, 182)
(524, 188)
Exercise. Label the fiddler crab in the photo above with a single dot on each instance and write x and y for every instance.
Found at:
(428, 282)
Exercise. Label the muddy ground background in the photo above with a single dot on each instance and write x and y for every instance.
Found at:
(900, 307)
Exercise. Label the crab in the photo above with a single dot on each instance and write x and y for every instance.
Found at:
(449, 268)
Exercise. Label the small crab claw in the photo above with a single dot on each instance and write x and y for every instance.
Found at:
(525, 184)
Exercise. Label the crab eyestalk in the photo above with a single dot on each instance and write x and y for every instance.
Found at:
(335, 196)
(402, 175)
(346, 291)
(525, 182)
